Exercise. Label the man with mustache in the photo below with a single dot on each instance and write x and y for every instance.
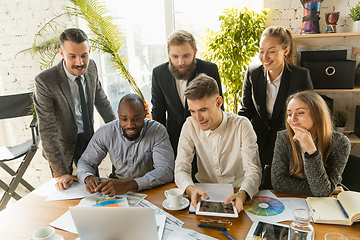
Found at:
(139, 149)
(170, 79)
(64, 100)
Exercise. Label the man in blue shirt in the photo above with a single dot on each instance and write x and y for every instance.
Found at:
(139, 149)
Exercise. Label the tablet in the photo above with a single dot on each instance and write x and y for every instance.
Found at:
(272, 231)
(219, 209)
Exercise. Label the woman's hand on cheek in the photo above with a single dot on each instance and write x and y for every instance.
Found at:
(304, 137)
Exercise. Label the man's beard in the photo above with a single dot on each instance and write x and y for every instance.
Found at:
(182, 75)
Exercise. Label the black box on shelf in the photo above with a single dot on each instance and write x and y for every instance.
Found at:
(324, 55)
(331, 74)
(357, 121)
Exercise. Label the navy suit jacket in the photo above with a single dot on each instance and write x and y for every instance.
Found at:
(253, 104)
(167, 107)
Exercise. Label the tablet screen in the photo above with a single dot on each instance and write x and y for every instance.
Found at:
(273, 231)
(269, 231)
(216, 207)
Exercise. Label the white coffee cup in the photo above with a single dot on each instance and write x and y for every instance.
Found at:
(174, 196)
(45, 233)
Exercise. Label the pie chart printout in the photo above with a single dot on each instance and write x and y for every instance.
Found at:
(264, 206)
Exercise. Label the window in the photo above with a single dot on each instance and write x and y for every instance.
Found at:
(146, 25)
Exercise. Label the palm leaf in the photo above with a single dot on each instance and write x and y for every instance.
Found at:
(107, 37)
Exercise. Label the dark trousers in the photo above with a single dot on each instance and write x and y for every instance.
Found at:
(266, 156)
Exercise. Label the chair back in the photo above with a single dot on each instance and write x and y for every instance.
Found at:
(12, 106)
(350, 176)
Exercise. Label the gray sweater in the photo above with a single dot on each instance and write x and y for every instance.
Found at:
(321, 181)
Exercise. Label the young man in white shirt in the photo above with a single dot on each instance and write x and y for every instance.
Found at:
(225, 145)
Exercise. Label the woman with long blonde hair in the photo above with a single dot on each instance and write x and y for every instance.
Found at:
(266, 88)
(309, 157)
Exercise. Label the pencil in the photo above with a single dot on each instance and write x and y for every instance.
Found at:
(226, 234)
(213, 227)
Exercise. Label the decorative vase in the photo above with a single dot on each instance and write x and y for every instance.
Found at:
(356, 26)
(310, 21)
(331, 19)
(340, 129)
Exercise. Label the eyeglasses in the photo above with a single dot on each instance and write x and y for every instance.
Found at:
(216, 222)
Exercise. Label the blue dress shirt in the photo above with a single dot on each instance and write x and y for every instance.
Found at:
(149, 159)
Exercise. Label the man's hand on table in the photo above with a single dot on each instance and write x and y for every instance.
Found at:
(110, 187)
(91, 183)
(237, 199)
(64, 182)
(195, 195)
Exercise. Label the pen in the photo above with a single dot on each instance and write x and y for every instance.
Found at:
(342, 209)
(213, 227)
(228, 235)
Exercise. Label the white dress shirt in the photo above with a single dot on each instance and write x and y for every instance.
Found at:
(272, 89)
(229, 154)
(181, 86)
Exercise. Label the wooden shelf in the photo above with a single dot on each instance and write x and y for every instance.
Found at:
(326, 35)
(297, 38)
(338, 90)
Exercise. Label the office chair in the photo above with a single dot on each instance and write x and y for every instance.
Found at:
(13, 106)
(350, 176)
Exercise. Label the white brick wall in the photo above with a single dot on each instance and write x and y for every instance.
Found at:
(289, 14)
(19, 21)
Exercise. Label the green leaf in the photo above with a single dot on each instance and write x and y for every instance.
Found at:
(232, 48)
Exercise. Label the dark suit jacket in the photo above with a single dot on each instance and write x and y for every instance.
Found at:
(253, 104)
(166, 101)
(56, 114)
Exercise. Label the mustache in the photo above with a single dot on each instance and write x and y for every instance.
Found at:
(185, 74)
(130, 129)
(78, 67)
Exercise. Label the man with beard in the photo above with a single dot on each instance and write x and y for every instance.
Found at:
(64, 100)
(139, 149)
(170, 79)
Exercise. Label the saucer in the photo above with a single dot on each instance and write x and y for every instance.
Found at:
(57, 237)
(184, 204)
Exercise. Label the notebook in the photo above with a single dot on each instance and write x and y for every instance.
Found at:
(113, 223)
(344, 210)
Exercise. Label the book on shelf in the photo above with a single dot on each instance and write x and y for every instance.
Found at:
(343, 210)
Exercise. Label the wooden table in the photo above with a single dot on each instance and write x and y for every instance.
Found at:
(21, 219)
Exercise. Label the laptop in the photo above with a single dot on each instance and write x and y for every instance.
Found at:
(114, 223)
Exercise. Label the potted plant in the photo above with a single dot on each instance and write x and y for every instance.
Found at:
(340, 118)
(355, 16)
(233, 47)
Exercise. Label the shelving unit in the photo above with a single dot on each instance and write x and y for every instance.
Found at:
(344, 98)
(297, 38)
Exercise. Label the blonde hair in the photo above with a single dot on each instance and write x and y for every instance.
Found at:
(285, 40)
(320, 115)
